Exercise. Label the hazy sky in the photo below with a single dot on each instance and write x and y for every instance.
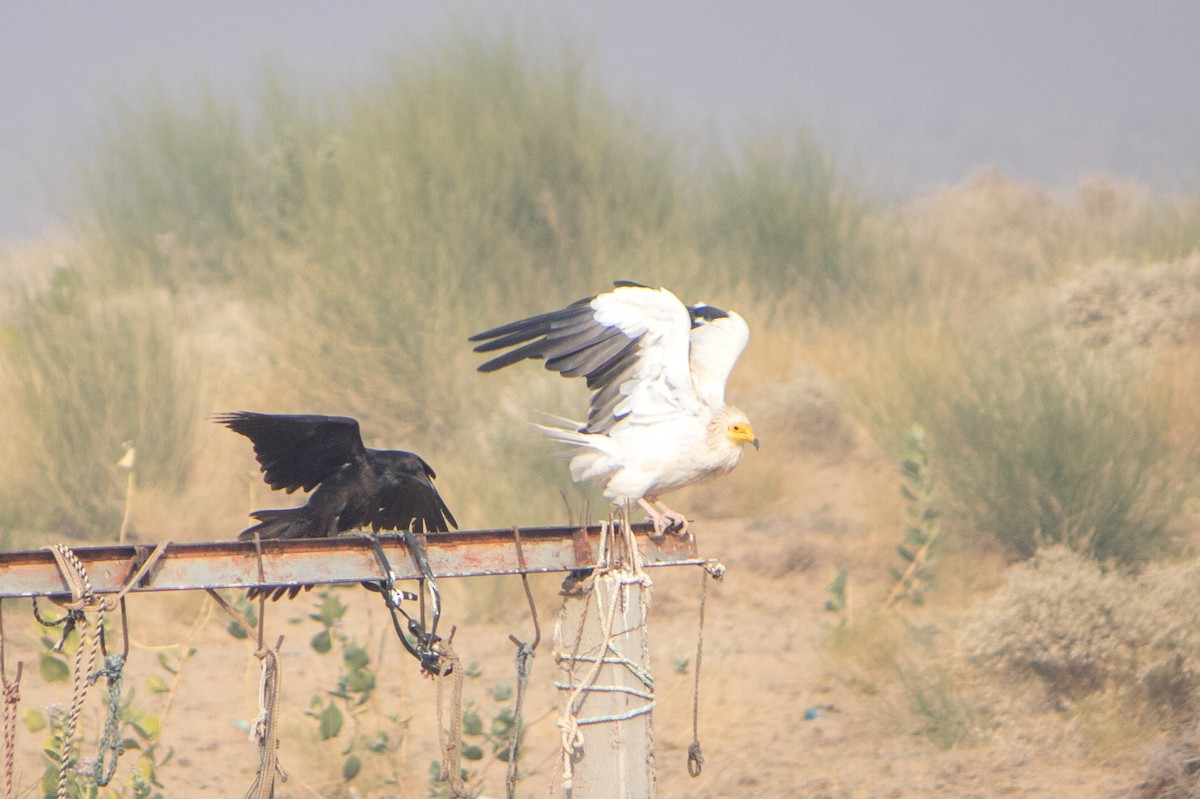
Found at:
(909, 94)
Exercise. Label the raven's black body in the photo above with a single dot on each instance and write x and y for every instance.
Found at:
(355, 487)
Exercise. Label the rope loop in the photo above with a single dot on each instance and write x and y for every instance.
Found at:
(582, 669)
(111, 745)
(264, 729)
(450, 738)
(83, 598)
(91, 639)
(12, 698)
(695, 761)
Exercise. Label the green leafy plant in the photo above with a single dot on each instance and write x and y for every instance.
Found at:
(371, 735)
(347, 712)
(838, 601)
(140, 730)
(922, 530)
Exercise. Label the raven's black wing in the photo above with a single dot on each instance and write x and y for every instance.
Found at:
(298, 451)
(405, 493)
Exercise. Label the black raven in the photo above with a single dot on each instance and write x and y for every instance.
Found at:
(355, 487)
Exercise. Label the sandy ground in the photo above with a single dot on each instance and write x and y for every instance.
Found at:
(766, 662)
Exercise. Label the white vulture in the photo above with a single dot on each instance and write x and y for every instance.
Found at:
(657, 370)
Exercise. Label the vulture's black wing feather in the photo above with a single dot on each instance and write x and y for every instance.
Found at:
(573, 343)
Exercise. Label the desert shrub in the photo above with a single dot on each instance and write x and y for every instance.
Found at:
(1114, 219)
(1169, 681)
(1044, 444)
(981, 238)
(991, 235)
(1062, 618)
(1081, 629)
(1129, 306)
(1171, 772)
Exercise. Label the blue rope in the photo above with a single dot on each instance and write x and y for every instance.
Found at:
(111, 745)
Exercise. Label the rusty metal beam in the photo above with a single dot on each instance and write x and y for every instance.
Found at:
(345, 559)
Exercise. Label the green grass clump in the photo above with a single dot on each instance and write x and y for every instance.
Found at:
(84, 379)
(1047, 445)
(783, 214)
(161, 204)
(1042, 440)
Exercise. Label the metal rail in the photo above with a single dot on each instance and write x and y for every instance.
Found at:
(345, 559)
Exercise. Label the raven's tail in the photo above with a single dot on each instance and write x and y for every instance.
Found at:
(276, 592)
(285, 523)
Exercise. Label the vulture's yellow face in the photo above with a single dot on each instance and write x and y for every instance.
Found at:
(742, 433)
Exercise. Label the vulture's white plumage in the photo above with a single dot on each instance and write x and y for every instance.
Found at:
(657, 370)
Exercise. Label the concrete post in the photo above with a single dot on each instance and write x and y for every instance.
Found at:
(606, 694)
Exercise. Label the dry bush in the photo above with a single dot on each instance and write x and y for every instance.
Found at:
(1113, 219)
(1082, 629)
(982, 238)
(990, 235)
(1127, 306)
(1061, 617)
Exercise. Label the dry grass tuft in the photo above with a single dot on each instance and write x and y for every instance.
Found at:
(1173, 772)
(911, 671)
